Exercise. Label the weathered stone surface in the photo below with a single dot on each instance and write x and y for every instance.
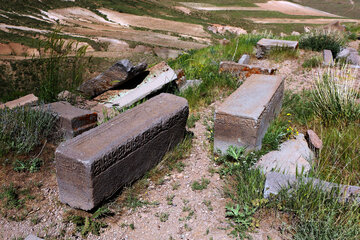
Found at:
(30, 99)
(346, 52)
(313, 140)
(93, 166)
(190, 83)
(353, 59)
(247, 70)
(277, 181)
(160, 75)
(120, 73)
(245, 59)
(265, 45)
(32, 237)
(293, 157)
(244, 117)
(72, 120)
(328, 58)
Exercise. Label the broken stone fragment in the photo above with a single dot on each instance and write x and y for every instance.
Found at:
(190, 83)
(313, 141)
(265, 45)
(120, 73)
(276, 181)
(30, 100)
(294, 156)
(239, 69)
(245, 59)
(72, 120)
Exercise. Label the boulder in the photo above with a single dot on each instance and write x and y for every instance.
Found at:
(313, 140)
(120, 73)
(294, 156)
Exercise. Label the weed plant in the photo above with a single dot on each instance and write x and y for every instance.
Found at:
(318, 40)
(313, 62)
(55, 75)
(24, 128)
(280, 54)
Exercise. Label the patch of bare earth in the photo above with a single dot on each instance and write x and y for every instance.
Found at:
(301, 21)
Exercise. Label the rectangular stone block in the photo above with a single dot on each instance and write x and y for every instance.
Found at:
(244, 69)
(72, 120)
(29, 99)
(243, 118)
(270, 43)
(93, 166)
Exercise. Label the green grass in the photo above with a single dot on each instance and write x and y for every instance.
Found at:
(200, 185)
(312, 62)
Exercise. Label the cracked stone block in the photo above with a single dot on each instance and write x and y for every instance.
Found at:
(294, 156)
(243, 118)
(93, 166)
(72, 120)
(29, 99)
(240, 69)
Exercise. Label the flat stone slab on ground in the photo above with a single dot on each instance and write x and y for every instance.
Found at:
(120, 73)
(243, 118)
(72, 120)
(92, 167)
(160, 75)
(248, 70)
(294, 156)
(29, 99)
(276, 181)
(265, 45)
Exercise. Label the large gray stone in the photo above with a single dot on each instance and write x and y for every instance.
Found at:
(72, 120)
(277, 181)
(265, 45)
(159, 76)
(328, 58)
(244, 117)
(93, 166)
(294, 156)
(120, 73)
(29, 99)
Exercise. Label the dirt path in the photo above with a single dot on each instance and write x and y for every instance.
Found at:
(277, 6)
(189, 217)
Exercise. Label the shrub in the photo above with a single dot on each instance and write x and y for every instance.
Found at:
(319, 40)
(334, 96)
(23, 128)
(313, 62)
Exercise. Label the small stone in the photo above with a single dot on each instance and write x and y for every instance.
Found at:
(328, 58)
(313, 140)
(245, 59)
(295, 33)
(32, 237)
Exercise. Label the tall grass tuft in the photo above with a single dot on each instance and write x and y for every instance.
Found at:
(334, 95)
(318, 40)
(62, 66)
(23, 128)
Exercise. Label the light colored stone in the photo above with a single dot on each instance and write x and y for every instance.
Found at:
(244, 69)
(93, 166)
(328, 58)
(276, 181)
(190, 83)
(294, 156)
(265, 45)
(313, 140)
(72, 120)
(245, 59)
(29, 99)
(160, 75)
(32, 237)
(354, 59)
(243, 118)
(294, 33)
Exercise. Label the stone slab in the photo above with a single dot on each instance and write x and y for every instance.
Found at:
(243, 118)
(29, 99)
(248, 70)
(245, 59)
(93, 166)
(160, 75)
(72, 120)
(277, 181)
(270, 43)
(328, 58)
(190, 83)
(120, 73)
(293, 157)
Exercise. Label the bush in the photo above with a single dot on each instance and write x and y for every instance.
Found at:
(319, 40)
(334, 96)
(23, 128)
